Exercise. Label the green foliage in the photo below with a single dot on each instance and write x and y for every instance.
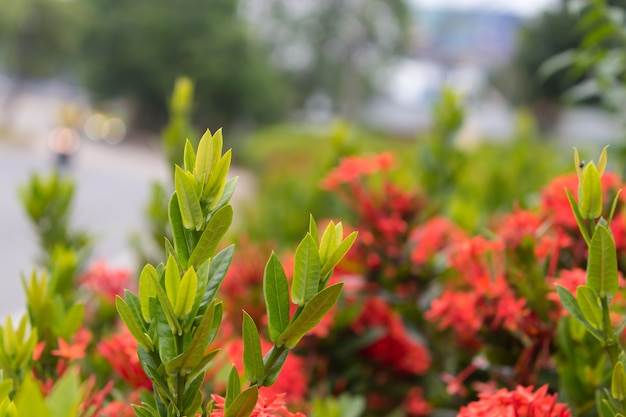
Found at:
(155, 42)
(176, 316)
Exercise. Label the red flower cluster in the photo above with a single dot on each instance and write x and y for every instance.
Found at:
(395, 348)
(121, 353)
(522, 402)
(106, 282)
(353, 168)
(435, 236)
(270, 406)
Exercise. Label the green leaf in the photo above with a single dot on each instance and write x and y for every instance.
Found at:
(213, 233)
(204, 159)
(252, 354)
(131, 323)
(71, 322)
(29, 401)
(244, 403)
(178, 231)
(217, 271)
(65, 397)
(618, 382)
(172, 280)
(272, 374)
(588, 303)
(229, 190)
(313, 228)
(186, 294)
(186, 362)
(614, 206)
(189, 156)
(306, 271)
(146, 290)
(217, 181)
(311, 314)
(165, 336)
(188, 201)
(328, 242)
(276, 293)
(571, 305)
(338, 253)
(234, 386)
(602, 264)
(167, 309)
(590, 198)
(579, 219)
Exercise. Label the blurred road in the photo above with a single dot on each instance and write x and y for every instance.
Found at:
(112, 189)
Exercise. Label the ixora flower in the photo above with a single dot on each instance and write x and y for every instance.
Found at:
(121, 353)
(271, 406)
(521, 402)
(106, 282)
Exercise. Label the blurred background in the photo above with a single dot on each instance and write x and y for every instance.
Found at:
(88, 87)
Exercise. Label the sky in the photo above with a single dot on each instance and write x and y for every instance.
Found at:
(521, 7)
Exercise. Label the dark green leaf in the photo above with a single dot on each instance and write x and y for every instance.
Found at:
(252, 354)
(276, 292)
(178, 232)
(602, 264)
(243, 404)
(131, 323)
(312, 313)
(188, 201)
(273, 372)
(213, 233)
(217, 271)
(166, 338)
(234, 386)
(306, 271)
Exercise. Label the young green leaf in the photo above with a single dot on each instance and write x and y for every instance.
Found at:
(588, 302)
(313, 228)
(577, 165)
(618, 382)
(276, 292)
(234, 386)
(590, 198)
(602, 161)
(186, 294)
(185, 363)
(328, 243)
(252, 354)
(178, 231)
(306, 271)
(614, 206)
(146, 290)
(579, 219)
(168, 310)
(213, 233)
(602, 264)
(204, 158)
(311, 314)
(188, 201)
(217, 181)
(338, 253)
(131, 323)
(571, 305)
(244, 403)
(172, 280)
(189, 156)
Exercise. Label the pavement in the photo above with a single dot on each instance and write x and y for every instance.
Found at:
(112, 189)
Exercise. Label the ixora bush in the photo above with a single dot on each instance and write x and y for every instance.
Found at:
(76, 359)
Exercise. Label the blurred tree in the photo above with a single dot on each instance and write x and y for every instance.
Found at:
(138, 48)
(331, 47)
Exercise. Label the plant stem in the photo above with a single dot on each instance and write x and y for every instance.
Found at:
(180, 380)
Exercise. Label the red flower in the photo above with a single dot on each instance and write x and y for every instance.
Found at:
(432, 237)
(106, 282)
(395, 348)
(414, 403)
(266, 406)
(522, 402)
(352, 168)
(121, 353)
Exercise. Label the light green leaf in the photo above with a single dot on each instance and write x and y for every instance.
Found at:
(189, 156)
(311, 315)
(602, 264)
(338, 253)
(218, 143)
(204, 159)
(213, 233)
(618, 382)
(186, 362)
(252, 354)
(313, 228)
(186, 294)
(588, 303)
(328, 242)
(244, 403)
(571, 305)
(614, 206)
(188, 201)
(172, 280)
(146, 290)
(217, 181)
(306, 271)
(65, 397)
(276, 293)
(602, 161)
(168, 310)
(29, 401)
(579, 219)
(590, 198)
(234, 386)
(131, 323)
(178, 231)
